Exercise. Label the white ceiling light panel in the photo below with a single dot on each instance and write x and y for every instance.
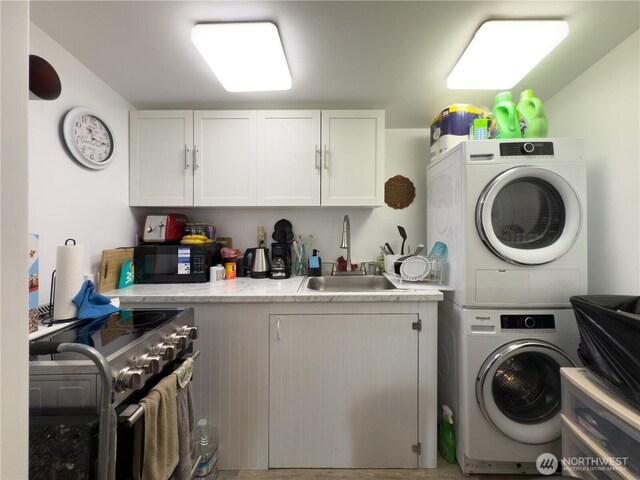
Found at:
(502, 52)
(246, 57)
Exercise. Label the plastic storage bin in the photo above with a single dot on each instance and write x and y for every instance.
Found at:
(609, 328)
(597, 424)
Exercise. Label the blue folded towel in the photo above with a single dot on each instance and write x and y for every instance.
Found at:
(91, 304)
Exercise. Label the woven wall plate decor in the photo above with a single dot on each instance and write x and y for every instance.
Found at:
(399, 192)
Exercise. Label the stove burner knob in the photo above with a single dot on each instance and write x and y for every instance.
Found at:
(149, 363)
(166, 351)
(129, 379)
(191, 332)
(180, 341)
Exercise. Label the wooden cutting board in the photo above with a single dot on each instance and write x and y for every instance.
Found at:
(110, 266)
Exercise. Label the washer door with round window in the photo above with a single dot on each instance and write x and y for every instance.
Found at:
(528, 215)
(518, 390)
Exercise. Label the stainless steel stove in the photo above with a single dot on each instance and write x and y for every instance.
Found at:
(137, 344)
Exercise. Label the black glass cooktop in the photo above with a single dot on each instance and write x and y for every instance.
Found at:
(110, 334)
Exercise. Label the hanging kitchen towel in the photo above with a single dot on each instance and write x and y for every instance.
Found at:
(160, 426)
(184, 372)
(91, 304)
(186, 448)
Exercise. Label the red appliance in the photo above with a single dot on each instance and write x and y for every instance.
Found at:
(167, 227)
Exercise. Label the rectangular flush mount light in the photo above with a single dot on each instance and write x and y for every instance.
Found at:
(502, 52)
(246, 57)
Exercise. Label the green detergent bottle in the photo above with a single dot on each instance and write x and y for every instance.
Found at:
(446, 442)
(505, 122)
(532, 113)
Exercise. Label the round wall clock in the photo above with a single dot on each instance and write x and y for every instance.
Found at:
(89, 138)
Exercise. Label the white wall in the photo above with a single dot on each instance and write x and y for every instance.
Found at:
(14, 24)
(66, 199)
(603, 106)
(406, 154)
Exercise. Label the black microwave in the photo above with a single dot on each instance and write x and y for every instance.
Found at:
(174, 263)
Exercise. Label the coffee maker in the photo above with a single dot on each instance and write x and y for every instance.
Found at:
(280, 260)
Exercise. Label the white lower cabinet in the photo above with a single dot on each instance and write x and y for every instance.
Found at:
(343, 391)
(339, 384)
(231, 381)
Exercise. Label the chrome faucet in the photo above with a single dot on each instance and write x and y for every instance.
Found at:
(346, 239)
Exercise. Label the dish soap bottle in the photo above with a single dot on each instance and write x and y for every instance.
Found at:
(446, 442)
(532, 113)
(505, 122)
(314, 265)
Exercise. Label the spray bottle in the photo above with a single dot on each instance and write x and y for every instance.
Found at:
(446, 442)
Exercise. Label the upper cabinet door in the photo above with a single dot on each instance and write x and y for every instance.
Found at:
(160, 158)
(225, 151)
(353, 157)
(288, 158)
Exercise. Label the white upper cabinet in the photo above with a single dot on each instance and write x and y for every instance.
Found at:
(224, 158)
(185, 158)
(264, 158)
(289, 157)
(353, 157)
(160, 156)
(328, 157)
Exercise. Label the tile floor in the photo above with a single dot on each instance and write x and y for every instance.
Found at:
(444, 471)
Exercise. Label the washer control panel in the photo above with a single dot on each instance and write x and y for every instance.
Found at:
(528, 322)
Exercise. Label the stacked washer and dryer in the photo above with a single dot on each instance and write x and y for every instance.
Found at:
(513, 215)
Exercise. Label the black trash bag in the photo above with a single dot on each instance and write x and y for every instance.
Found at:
(609, 328)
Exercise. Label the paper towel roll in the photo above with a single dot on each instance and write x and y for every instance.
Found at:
(69, 278)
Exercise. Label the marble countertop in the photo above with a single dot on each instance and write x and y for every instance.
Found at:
(250, 290)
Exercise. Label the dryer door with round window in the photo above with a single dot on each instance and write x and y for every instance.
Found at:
(528, 215)
(518, 390)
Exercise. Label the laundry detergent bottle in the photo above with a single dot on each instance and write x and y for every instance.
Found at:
(532, 113)
(505, 122)
(446, 442)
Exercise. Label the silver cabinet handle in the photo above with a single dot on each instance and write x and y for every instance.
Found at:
(326, 158)
(278, 329)
(186, 156)
(195, 157)
(318, 157)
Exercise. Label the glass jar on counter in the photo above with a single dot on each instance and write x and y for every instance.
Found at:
(206, 229)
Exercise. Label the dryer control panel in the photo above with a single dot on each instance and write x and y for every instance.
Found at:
(515, 149)
(528, 322)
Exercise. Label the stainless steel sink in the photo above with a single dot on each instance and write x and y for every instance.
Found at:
(350, 283)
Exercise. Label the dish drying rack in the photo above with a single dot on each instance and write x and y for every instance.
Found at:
(435, 276)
